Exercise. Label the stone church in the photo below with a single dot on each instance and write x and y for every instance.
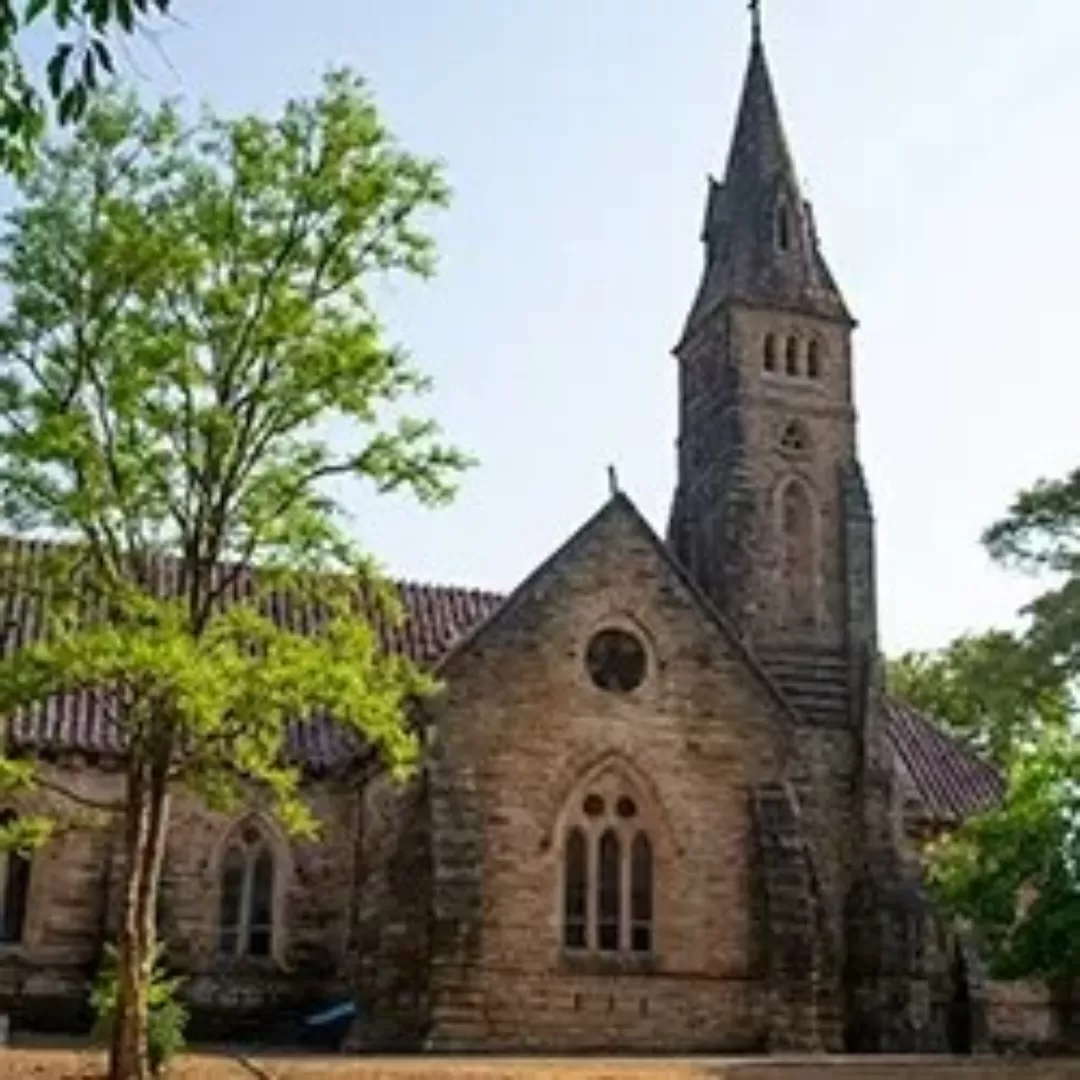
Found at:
(664, 802)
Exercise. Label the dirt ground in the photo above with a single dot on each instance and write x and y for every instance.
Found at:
(76, 1065)
(22, 1064)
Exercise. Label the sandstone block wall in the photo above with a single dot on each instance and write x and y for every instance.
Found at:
(75, 885)
(522, 733)
(1022, 1015)
(389, 952)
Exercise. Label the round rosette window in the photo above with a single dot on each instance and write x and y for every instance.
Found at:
(616, 661)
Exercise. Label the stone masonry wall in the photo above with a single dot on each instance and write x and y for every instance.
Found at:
(45, 978)
(314, 891)
(727, 528)
(389, 953)
(522, 733)
(75, 888)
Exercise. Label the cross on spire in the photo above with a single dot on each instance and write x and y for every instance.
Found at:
(755, 19)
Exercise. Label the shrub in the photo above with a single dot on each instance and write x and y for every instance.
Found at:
(166, 1017)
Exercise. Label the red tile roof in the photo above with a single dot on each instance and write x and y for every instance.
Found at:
(435, 617)
(948, 779)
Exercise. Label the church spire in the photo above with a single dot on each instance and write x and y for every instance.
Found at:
(758, 156)
(761, 244)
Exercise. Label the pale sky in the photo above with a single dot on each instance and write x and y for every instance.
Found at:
(939, 142)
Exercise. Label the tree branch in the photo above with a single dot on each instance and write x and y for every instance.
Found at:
(85, 801)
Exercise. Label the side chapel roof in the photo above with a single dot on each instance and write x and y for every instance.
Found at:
(948, 780)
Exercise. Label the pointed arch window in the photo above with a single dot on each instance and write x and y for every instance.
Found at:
(608, 874)
(797, 528)
(14, 888)
(813, 360)
(246, 912)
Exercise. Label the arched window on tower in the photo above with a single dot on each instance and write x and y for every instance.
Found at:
(813, 360)
(791, 355)
(799, 562)
(246, 906)
(770, 353)
(14, 888)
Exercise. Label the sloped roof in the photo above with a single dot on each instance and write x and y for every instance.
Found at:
(949, 780)
(435, 617)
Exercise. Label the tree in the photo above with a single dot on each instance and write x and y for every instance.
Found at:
(1014, 871)
(189, 316)
(1040, 535)
(81, 58)
(993, 690)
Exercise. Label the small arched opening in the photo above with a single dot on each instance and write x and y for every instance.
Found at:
(791, 355)
(769, 353)
(783, 227)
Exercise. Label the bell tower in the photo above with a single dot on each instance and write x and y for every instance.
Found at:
(771, 513)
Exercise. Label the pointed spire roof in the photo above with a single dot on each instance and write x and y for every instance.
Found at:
(759, 152)
(761, 244)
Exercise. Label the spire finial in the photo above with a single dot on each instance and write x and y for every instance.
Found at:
(755, 21)
(613, 480)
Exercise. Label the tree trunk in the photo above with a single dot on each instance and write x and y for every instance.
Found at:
(144, 841)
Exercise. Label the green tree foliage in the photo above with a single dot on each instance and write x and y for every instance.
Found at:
(992, 690)
(1014, 871)
(83, 40)
(1041, 536)
(166, 1017)
(189, 315)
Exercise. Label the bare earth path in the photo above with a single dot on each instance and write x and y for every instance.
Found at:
(19, 1064)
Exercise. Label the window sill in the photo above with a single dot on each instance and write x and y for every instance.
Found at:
(243, 965)
(595, 963)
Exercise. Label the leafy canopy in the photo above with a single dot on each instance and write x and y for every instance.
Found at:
(189, 317)
(992, 690)
(82, 57)
(1015, 870)
(1040, 535)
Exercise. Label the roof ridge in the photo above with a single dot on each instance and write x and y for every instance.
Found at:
(429, 585)
(35, 545)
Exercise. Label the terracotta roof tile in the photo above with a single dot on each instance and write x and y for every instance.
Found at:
(950, 781)
(435, 617)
